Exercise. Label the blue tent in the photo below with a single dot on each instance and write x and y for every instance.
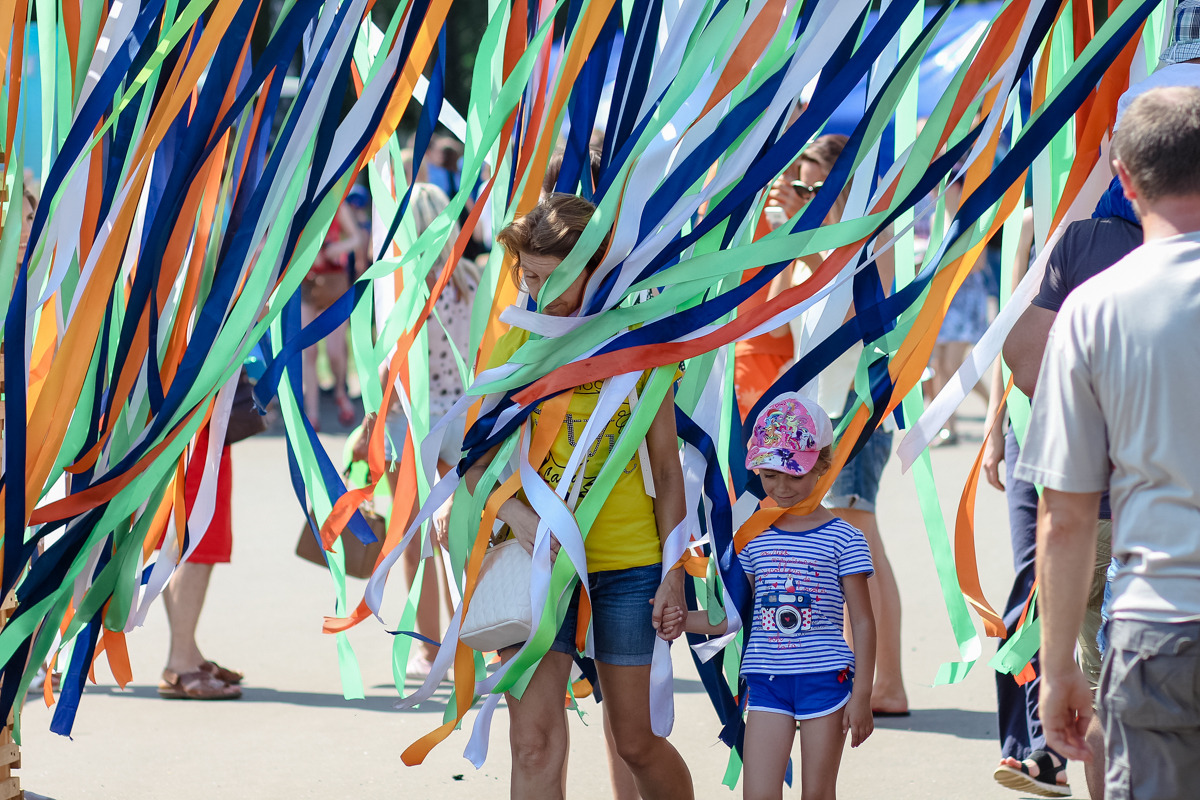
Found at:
(966, 25)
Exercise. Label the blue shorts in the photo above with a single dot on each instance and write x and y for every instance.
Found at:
(857, 485)
(622, 617)
(806, 695)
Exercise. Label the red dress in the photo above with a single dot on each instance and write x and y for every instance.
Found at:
(217, 545)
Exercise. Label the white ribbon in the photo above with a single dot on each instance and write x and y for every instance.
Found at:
(989, 346)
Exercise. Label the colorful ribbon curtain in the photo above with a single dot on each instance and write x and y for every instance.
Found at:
(700, 123)
(185, 195)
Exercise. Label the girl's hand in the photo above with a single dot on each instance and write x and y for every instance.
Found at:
(858, 720)
(670, 595)
(671, 624)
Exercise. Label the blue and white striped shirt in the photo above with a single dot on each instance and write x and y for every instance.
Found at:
(798, 599)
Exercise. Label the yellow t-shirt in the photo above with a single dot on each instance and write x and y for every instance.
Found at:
(625, 533)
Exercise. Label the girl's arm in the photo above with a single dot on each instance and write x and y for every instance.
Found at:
(677, 620)
(858, 719)
(697, 622)
(669, 504)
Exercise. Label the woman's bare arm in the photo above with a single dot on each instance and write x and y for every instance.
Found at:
(516, 513)
(670, 506)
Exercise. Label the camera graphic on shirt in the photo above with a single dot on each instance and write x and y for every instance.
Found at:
(786, 613)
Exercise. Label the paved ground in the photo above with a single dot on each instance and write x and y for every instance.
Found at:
(293, 736)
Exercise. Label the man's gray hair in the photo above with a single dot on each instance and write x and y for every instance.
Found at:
(1159, 142)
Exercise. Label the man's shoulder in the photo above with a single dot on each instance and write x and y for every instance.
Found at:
(1136, 278)
(1090, 246)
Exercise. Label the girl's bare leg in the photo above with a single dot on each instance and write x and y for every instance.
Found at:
(821, 743)
(767, 748)
(623, 785)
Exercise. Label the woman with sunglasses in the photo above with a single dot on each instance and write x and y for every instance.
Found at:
(852, 496)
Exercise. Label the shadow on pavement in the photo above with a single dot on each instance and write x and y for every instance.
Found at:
(957, 722)
(257, 694)
(686, 686)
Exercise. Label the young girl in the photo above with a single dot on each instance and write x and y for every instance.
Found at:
(797, 664)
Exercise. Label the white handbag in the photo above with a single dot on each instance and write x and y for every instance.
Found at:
(500, 614)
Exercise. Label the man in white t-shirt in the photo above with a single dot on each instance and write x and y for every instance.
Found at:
(1115, 409)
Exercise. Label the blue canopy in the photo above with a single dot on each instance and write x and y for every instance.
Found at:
(964, 27)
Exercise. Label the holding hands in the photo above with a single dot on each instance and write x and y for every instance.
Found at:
(670, 600)
(670, 624)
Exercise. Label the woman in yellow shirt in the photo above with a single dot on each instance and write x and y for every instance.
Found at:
(623, 547)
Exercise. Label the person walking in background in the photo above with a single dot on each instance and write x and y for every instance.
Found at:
(359, 201)
(1086, 248)
(1113, 411)
(854, 491)
(449, 334)
(188, 674)
(328, 279)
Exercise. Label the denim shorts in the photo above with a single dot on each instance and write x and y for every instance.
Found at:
(622, 616)
(802, 696)
(857, 485)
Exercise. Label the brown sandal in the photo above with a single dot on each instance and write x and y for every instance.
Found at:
(223, 674)
(196, 685)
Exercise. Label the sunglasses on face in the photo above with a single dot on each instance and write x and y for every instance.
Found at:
(806, 191)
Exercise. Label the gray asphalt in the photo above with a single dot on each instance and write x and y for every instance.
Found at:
(293, 735)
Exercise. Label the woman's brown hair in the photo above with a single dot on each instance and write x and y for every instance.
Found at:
(824, 152)
(551, 228)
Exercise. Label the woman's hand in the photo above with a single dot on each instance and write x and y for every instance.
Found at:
(783, 195)
(670, 595)
(441, 523)
(361, 444)
(993, 457)
(524, 521)
(858, 719)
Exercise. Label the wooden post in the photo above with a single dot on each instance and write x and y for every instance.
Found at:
(10, 751)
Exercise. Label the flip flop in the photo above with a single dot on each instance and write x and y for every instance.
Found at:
(1020, 780)
(223, 674)
(196, 685)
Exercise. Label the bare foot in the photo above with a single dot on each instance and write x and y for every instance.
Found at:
(893, 703)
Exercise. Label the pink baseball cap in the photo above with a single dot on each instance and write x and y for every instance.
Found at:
(789, 435)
